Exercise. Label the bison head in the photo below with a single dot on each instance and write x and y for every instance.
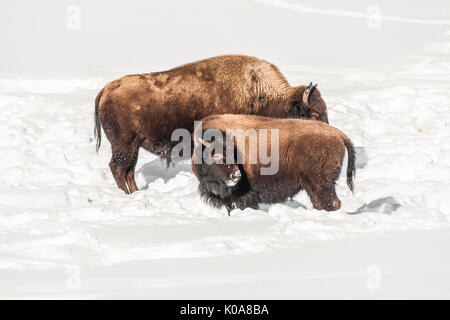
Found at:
(219, 178)
(306, 102)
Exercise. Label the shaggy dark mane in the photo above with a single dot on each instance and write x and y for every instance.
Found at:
(241, 196)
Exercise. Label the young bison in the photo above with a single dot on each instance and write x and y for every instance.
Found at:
(144, 109)
(311, 154)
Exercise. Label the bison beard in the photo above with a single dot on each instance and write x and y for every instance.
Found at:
(213, 179)
(218, 194)
(143, 110)
(311, 157)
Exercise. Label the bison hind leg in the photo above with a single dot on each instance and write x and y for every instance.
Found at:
(123, 164)
(324, 198)
(132, 186)
(119, 170)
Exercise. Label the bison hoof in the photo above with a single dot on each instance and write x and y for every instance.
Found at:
(230, 207)
(336, 204)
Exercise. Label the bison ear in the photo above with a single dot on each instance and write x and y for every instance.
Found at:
(307, 92)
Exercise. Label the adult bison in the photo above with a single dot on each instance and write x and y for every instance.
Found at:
(310, 156)
(144, 109)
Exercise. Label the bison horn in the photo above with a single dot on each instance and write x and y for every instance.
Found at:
(204, 142)
(306, 93)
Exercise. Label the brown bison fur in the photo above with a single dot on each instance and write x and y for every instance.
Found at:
(143, 109)
(311, 154)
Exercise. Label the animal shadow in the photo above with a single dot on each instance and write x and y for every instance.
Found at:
(159, 169)
(361, 157)
(385, 205)
(294, 204)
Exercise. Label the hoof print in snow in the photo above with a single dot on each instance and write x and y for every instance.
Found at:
(385, 205)
(361, 157)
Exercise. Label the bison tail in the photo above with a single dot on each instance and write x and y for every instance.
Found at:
(351, 169)
(98, 125)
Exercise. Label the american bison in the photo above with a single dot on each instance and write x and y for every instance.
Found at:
(142, 110)
(310, 153)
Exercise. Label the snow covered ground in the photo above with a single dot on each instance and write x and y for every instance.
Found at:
(67, 231)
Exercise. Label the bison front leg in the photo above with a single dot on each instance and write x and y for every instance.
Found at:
(247, 200)
(230, 207)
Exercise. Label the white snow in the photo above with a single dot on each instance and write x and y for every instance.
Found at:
(66, 230)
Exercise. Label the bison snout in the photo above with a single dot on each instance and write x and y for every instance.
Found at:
(234, 178)
(236, 174)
